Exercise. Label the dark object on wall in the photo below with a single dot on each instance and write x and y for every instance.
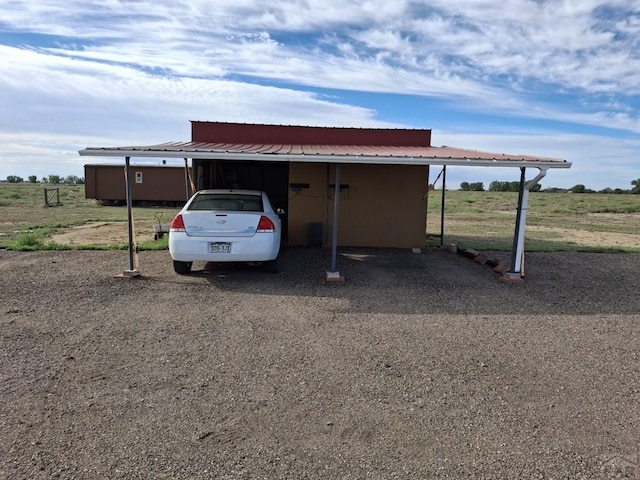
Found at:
(315, 234)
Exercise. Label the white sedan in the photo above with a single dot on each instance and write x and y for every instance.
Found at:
(225, 226)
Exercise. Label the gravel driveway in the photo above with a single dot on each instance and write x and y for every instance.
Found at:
(418, 366)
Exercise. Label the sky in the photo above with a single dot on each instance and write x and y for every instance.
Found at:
(555, 78)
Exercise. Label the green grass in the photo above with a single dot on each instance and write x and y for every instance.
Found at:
(481, 220)
(27, 224)
(486, 220)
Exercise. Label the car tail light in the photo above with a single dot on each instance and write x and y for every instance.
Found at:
(266, 225)
(177, 224)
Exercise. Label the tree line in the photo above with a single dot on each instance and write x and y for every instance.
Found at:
(498, 186)
(494, 186)
(51, 179)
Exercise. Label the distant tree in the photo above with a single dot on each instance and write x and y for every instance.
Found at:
(606, 190)
(71, 180)
(497, 186)
(55, 179)
(636, 186)
(579, 188)
(33, 179)
(44, 180)
(14, 179)
(472, 187)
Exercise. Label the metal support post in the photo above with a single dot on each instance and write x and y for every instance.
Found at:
(444, 189)
(333, 274)
(518, 235)
(187, 188)
(127, 175)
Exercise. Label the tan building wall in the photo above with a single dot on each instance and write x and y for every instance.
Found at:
(309, 205)
(383, 206)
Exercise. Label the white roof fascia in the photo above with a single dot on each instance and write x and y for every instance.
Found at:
(313, 158)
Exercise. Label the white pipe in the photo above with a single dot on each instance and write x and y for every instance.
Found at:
(519, 253)
(530, 184)
(520, 240)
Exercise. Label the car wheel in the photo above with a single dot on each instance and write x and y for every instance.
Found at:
(272, 266)
(182, 267)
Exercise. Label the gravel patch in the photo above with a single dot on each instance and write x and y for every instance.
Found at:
(418, 366)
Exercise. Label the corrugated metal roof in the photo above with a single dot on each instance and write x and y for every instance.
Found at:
(418, 155)
(295, 143)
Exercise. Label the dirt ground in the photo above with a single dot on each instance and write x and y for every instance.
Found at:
(418, 366)
(576, 236)
(590, 239)
(107, 233)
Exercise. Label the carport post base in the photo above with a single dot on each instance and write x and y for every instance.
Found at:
(129, 274)
(510, 277)
(334, 277)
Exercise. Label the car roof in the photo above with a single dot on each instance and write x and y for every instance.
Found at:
(232, 191)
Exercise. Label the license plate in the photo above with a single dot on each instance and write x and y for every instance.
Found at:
(219, 247)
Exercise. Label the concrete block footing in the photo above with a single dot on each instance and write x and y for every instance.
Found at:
(128, 274)
(334, 277)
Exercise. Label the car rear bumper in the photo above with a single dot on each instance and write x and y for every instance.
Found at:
(262, 247)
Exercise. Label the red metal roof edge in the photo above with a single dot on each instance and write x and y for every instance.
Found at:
(249, 133)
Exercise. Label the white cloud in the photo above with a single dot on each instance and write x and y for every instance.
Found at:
(60, 106)
(565, 43)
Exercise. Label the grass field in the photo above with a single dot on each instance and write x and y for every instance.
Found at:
(555, 221)
(27, 224)
(481, 220)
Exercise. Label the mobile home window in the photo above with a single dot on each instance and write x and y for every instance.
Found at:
(138, 177)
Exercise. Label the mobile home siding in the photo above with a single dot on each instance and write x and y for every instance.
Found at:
(150, 183)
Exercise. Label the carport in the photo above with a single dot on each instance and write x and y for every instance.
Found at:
(336, 149)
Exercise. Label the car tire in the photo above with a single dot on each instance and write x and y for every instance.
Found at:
(182, 267)
(272, 266)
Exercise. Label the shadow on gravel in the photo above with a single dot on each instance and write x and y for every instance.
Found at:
(435, 281)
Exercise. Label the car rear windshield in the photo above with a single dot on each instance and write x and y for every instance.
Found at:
(227, 202)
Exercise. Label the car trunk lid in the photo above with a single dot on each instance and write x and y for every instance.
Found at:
(222, 224)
